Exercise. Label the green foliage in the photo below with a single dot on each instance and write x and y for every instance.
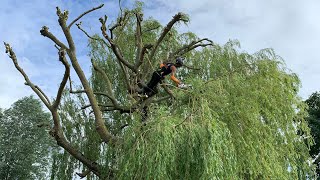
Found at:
(240, 121)
(313, 103)
(24, 146)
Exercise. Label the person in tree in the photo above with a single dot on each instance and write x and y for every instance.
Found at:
(159, 75)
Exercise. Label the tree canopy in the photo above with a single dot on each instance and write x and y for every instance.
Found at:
(242, 118)
(313, 103)
(24, 146)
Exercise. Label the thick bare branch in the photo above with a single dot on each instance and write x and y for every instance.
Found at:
(138, 38)
(106, 78)
(57, 133)
(40, 93)
(93, 9)
(102, 130)
(45, 32)
(142, 54)
(119, 23)
(44, 95)
(64, 81)
(115, 48)
(63, 17)
(178, 17)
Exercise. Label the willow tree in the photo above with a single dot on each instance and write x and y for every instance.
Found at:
(240, 119)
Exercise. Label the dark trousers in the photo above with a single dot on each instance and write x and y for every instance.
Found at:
(151, 88)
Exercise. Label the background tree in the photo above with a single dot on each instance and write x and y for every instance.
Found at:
(24, 146)
(239, 121)
(313, 103)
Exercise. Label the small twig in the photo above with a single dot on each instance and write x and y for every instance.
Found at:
(84, 14)
(90, 37)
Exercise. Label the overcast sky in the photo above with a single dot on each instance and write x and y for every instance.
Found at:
(291, 28)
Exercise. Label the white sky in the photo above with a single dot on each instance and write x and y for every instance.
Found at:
(292, 28)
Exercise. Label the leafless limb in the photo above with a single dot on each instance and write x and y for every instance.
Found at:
(64, 81)
(120, 22)
(138, 38)
(44, 95)
(56, 132)
(106, 79)
(178, 17)
(115, 48)
(142, 54)
(93, 9)
(45, 32)
(103, 132)
(40, 93)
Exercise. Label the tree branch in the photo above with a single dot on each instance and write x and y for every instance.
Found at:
(56, 132)
(167, 90)
(142, 54)
(106, 78)
(64, 81)
(186, 48)
(178, 17)
(90, 37)
(40, 93)
(44, 95)
(116, 50)
(138, 39)
(119, 23)
(63, 17)
(103, 132)
(93, 9)
(45, 32)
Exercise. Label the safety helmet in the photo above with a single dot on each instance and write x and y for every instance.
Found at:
(179, 60)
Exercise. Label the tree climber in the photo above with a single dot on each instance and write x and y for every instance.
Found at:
(159, 75)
